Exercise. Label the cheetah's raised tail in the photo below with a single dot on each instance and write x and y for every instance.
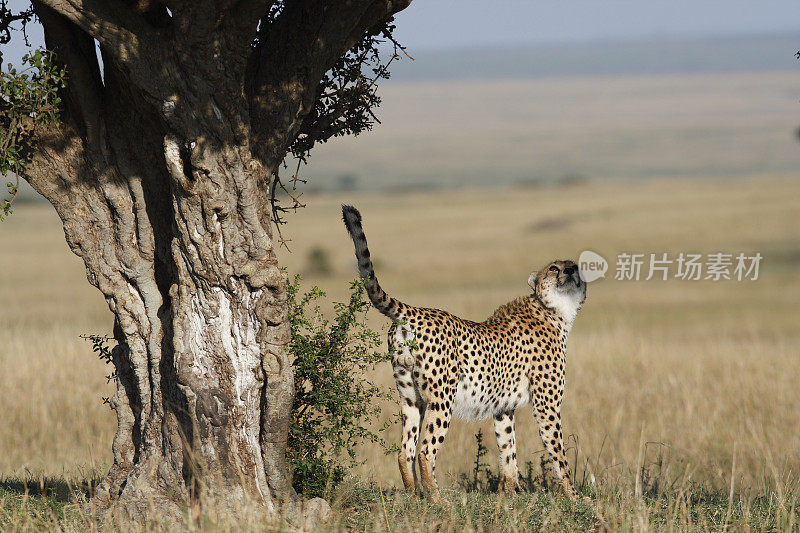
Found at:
(382, 301)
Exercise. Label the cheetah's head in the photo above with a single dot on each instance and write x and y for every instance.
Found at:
(559, 287)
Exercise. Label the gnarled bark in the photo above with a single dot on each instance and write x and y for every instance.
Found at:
(163, 192)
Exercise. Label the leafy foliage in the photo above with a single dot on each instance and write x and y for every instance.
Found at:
(344, 103)
(334, 403)
(28, 100)
(347, 93)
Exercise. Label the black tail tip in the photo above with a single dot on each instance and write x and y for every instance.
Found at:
(348, 211)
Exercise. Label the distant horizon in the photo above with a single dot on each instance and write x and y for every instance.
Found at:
(13, 51)
(728, 36)
(605, 57)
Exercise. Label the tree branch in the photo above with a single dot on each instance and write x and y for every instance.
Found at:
(294, 52)
(346, 97)
(154, 12)
(232, 23)
(242, 21)
(75, 50)
(115, 26)
(8, 17)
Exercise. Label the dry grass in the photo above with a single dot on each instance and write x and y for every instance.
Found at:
(694, 382)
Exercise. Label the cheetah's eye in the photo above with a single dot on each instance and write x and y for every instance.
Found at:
(553, 268)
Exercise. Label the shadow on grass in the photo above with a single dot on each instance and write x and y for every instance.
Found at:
(53, 488)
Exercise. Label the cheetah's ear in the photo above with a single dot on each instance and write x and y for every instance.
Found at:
(532, 280)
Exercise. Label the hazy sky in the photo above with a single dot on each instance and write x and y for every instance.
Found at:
(453, 23)
(456, 23)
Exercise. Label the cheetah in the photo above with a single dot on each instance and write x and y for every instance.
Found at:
(446, 366)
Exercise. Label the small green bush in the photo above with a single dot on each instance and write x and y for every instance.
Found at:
(319, 262)
(334, 405)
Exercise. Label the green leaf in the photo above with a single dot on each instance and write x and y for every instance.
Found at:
(335, 407)
(30, 100)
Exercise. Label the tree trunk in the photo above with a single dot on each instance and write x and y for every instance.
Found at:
(160, 171)
(170, 214)
(204, 383)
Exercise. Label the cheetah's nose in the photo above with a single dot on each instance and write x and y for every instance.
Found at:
(570, 270)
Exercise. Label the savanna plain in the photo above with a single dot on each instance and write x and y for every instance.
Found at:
(681, 406)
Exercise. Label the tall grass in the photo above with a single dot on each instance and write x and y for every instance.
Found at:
(681, 397)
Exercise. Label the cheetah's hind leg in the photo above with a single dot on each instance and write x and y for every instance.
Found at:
(435, 422)
(412, 409)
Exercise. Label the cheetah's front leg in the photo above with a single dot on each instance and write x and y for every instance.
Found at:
(548, 417)
(507, 444)
(434, 428)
